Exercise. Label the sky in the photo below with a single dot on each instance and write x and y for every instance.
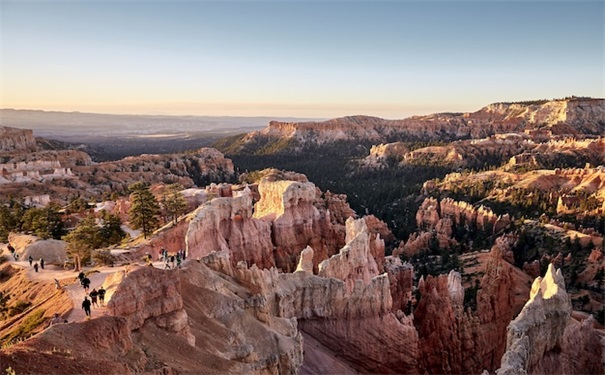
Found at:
(391, 59)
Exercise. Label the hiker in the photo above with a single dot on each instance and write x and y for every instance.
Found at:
(81, 277)
(166, 263)
(101, 292)
(86, 306)
(42, 263)
(36, 266)
(10, 248)
(57, 284)
(55, 320)
(86, 284)
(93, 296)
(178, 260)
(172, 260)
(30, 260)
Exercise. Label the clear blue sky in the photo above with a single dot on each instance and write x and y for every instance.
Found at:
(297, 58)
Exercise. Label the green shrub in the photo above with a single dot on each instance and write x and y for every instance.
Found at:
(25, 329)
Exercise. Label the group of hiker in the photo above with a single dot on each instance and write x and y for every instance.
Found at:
(96, 296)
(36, 265)
(171, 259)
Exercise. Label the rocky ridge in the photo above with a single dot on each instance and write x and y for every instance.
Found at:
(16, 140)
(436, 220)
(557, 117)
(74, 174)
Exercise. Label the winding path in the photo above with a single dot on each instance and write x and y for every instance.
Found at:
(69, 281)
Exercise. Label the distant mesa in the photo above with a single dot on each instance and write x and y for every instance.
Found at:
(573, 116)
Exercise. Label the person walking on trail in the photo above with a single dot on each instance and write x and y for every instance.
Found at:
(55, 320)
(93, 296)
(86, 284)
(30, 260)
(36, 266)
(57, 284)
(166, 263)
(101, 292)
(81, 277)
(178, 260)
(86, 306)
(172, 260)
(42, 263)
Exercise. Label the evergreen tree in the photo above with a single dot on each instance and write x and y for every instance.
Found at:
(111, 232)
(173, 203)
(44, 222)
(82, 240)
(144, 209)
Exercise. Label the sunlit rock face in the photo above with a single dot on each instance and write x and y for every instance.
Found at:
(226, 224)
(556, 117)
(150, 295)
(13, 139)
(544, 339)
(291, 209)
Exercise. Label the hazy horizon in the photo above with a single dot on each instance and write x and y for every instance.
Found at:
(391, 59)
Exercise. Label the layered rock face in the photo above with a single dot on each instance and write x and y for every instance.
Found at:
(148, 295)
(73, 173)
(226, 224)
(296, 222)
(20, 140)
(544, 338)
(285, 221)
(347, 307)
(569, 116)
(456, 341)
(438, 218)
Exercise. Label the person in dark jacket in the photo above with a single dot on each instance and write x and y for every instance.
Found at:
(93, 296)
(86, 306)
(101, 292)
(86, 284)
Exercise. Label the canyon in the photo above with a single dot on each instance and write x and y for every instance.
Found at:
(498, 270)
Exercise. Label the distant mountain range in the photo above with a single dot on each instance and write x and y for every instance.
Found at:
(573, 117)
(81, 127)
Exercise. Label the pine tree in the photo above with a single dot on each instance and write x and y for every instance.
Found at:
(173, 203)
(82, 240)
(111, 231)
(144, 209)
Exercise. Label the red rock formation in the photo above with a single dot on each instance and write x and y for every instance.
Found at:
(456, 341)
(347, 307)
(545, 339)
(171, 237)
(226, 224)
(73, 172)
(20, 140)
(532, 269)
(595, 256)
(568, 116)
(401, 277)
(149, 295)
(290, 208)
(438, 219)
